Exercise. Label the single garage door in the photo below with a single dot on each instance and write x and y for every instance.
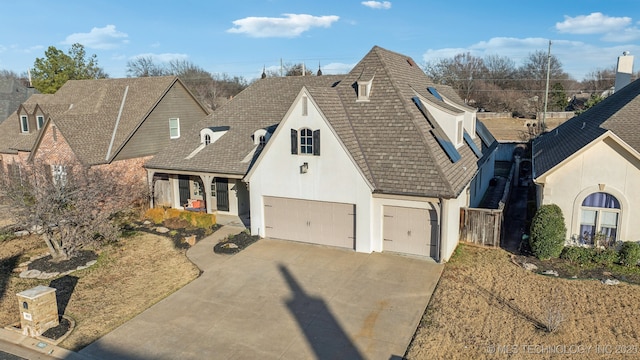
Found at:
(317, 222)
(410, 231)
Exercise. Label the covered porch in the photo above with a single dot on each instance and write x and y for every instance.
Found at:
(206, 192)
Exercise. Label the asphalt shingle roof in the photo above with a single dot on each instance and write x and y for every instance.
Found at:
(85, 112)
(388, 137)
(617, 113)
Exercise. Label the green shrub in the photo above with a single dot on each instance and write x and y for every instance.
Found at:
(548, 232)
(630, 253)
(188, 216)
(606, 257)
(172, 213)
(577, 254)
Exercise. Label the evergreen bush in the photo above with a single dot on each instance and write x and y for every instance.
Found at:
(548, 232)
(630, 253)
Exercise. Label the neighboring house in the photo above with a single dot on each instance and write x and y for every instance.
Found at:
(381, 161)
(12, 94)
(590, 167)
(118, 123)
(204, 169)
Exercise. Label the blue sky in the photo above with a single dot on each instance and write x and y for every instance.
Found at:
(240, 37)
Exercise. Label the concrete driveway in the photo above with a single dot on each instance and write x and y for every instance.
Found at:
(282, 300)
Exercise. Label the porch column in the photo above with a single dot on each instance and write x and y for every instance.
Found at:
(206, 181)
(150, 174)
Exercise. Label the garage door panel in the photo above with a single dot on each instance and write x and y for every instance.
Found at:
(410, 231)
(315, 222)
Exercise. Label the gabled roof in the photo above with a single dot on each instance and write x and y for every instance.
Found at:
(261, 105)
(12, 94)
(390, 139)
(89, 115)
(618, 113)
(397, 140)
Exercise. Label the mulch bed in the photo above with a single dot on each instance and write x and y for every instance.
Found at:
(59, 331)
(79, 259)
(242, 240)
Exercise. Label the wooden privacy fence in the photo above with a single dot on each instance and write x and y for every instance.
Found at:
(481, 226)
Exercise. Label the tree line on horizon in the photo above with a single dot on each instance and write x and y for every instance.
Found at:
(491, 83)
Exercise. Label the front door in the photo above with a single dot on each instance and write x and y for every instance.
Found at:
(183, 187)
(222, 194)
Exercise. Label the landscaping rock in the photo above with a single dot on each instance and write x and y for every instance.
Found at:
(162, 230)
(230, 246)
(91, 263)
(550, 272)
(611, 282)
(146, 223)
(21, 233)
(191, 240)
(30, 274)
(606, 273)
(530, 266)
(46, 275)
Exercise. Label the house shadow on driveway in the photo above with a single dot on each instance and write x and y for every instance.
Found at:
(324, 334)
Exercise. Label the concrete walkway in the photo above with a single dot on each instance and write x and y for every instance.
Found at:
(281, 300)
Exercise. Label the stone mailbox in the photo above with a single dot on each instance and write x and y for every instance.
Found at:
(38, 310)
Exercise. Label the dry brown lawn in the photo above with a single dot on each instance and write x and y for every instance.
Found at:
(130, 276)
(486, 307)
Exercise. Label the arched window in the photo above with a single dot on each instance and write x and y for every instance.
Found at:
(207, 139)
(263, 140)
(306, 141)
(600, 213)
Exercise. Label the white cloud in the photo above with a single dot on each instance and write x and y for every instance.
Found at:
(377, 4)
(594, 23)
(290, 25)
(577, 58)
(336, 68)
(626, 35)
(99, 38)
(165, 57)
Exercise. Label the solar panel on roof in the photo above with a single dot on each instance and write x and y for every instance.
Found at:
(472, 145)
(435, 93)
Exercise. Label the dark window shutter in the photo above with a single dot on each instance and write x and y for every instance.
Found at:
(316, 142)
(294, 141)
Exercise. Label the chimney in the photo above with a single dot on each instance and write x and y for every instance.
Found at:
(624, 70)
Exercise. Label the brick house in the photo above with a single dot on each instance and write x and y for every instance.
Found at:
(115, 123)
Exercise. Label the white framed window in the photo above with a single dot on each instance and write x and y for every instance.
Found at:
(24, 124)
(40, 121)
(459, 133)
(306, 141)
(174, 128)
(207, 139)
(263, 140)
(599, 219)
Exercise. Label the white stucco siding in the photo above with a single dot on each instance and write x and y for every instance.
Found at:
(448, 122)
(451, 224)
(332, 176)
(607, 165)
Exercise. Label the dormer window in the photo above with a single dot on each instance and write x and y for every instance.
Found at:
(263, 140)
(364, 90)
(40, 121)
(207, 139)
(24, 124)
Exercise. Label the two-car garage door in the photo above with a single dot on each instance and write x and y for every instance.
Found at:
(410, 231)
(317, 222)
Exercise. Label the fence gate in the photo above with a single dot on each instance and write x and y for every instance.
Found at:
(481, 226)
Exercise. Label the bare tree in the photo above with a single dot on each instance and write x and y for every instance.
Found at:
(533, 77)
(600, 80)
(72, 206)
(460, 72)
(143, 66)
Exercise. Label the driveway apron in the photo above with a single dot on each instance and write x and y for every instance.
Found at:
(281, 300)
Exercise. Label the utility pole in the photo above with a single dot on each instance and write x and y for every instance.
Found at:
(546, 92)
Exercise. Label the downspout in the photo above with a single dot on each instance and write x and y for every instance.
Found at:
(115, 128)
